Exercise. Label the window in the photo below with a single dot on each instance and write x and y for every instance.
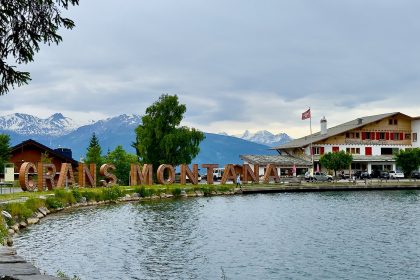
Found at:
(407, 136)
(386, 151)
(353, 151)
(335, 149)
(352, 135)
(393, 122)
(318, 150)
(396, 136)
(381, 135)
(415, 137)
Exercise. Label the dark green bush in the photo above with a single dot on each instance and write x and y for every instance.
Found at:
(77, 195)
(143, 192)
(53, 203)
(176, 192)
(90, 196)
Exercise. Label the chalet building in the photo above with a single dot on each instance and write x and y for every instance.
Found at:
(32, 151)
(372, 141)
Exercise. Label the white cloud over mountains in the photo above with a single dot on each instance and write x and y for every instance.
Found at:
(237, 64)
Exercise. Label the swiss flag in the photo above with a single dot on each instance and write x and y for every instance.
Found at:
(306, 114)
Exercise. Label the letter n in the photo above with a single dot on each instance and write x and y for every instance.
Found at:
(186, 172)
(251, 175)
(89, 174)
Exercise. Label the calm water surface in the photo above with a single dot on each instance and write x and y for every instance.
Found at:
(332, 235)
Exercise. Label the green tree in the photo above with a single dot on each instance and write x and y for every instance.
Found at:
(5, 150)
(94, 151)
(24, 24)
(408, 160)
(336, 161)
(160, 138)
(122, 160)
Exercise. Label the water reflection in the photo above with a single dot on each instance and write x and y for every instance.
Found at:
(331, 235)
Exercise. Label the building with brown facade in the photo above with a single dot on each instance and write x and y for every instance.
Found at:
(33, 151)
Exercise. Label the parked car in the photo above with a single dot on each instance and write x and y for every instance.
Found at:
(319, 176)
(375, 173)
(396, 174)
(362, 175)
(384, 175)
(415, 175)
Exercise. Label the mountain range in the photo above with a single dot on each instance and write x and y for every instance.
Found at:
(60, 131)
(265, 137)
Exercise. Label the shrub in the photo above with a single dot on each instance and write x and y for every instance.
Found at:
(77, 195)
(176, 192)
(65, 197)
(3, 229)
(90, 196)
(142, 191)
(34, 203)
(19, 211)
(112, 193)
(53, 203)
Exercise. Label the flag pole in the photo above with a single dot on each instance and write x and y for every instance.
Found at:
(310, 135)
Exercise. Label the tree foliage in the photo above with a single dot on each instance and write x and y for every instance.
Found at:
(160, 138)
(336, 161)
(24, 24)
(94, 151)
(122, 160)
(408, 160)
(5, 150)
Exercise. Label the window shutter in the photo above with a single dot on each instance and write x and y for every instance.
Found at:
(378, 136)
(401, 136)
(321, 150)
(392, 136)
(335, 149)
(368, 151)
(373, 135)
(363, 135)
(386, 135)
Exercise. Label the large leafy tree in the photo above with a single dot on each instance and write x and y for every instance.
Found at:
(4, 150)
(24, 25)
(408, 160)
(160, 138)
(336, 161)
(121, 160)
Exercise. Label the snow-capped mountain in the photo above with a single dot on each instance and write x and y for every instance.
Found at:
(55, 125)
(265, 137)
(111, 132)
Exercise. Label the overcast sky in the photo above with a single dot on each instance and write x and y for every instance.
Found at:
(236, 64)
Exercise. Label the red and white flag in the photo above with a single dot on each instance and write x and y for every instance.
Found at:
(306, 114)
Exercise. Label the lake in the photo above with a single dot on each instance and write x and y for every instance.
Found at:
(325, 235)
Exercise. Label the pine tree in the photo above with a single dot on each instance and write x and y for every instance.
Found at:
(4, 150)
(94, 151)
